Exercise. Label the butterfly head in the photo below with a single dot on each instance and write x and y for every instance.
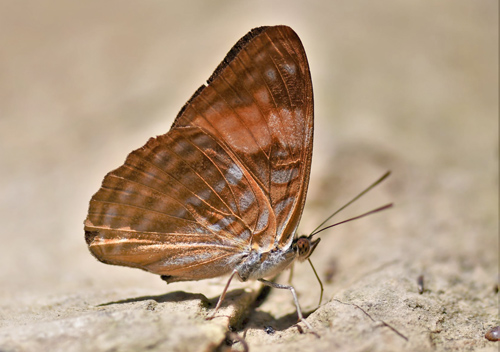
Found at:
(304, 246)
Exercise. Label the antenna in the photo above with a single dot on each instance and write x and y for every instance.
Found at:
(384, 176)
(387, 206)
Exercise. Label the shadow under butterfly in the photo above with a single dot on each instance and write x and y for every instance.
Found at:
(223, 191)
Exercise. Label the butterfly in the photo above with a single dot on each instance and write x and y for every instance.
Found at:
(223, 191)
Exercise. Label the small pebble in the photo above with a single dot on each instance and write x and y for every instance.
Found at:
(269, 329)
(493, 334)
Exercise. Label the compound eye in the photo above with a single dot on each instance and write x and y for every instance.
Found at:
(303, 247)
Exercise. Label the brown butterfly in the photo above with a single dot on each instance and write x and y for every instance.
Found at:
(223, 191)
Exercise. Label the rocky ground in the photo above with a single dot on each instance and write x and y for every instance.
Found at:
(410, 87)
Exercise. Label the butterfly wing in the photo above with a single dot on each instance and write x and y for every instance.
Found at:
(230, 176)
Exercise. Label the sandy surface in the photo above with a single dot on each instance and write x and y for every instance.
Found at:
(408, 86)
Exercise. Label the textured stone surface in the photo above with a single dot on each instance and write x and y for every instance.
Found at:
(407, 86)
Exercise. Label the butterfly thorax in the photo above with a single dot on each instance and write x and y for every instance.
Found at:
(259, 265)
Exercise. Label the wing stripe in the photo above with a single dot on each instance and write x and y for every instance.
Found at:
(255, 102)
(283, 136)
(233, 156)
(236, 215)
(170, 176)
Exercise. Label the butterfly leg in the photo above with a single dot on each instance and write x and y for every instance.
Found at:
(221, 298)
(292, 290)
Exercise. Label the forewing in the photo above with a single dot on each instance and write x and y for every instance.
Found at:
(259, 103)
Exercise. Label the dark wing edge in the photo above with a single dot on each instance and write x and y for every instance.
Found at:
(240, 44)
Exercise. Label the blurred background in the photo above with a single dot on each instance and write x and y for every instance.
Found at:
(410, 86)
